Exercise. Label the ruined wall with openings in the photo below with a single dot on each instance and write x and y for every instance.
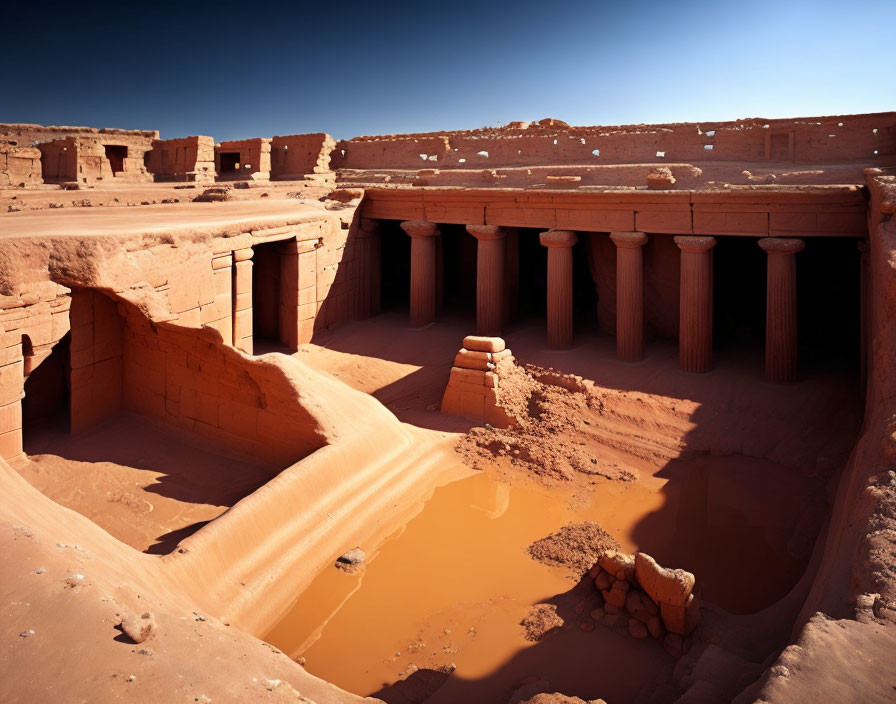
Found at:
(73, 285)
(295, 155)
(245, 158)
(185, 159)
(819, 140)
(19, 166)
(81, 154)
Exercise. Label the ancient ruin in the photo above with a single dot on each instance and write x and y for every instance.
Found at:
(264, 438)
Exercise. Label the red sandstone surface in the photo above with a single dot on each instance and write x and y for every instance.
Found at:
(204, 404)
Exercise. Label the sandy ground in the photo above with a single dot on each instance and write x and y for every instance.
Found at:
(206, 218)
(147, 486)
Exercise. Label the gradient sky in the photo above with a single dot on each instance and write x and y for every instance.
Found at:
(256, 69)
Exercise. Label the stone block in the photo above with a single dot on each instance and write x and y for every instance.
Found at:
(484, 344)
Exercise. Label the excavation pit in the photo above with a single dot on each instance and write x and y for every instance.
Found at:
(740, 508)
(436, 608)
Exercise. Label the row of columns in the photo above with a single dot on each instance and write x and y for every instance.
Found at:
(695, 292)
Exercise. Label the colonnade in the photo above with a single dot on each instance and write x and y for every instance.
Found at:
(496, 271)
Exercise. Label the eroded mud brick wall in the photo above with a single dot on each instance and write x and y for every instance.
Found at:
(59, 160)
(84, 153)
(295, 155)
(253, 162)
(19, 166)
(186, 159)
(391, 152)
(805, 140)
(29, 333)
(96, 352)
(186, 379)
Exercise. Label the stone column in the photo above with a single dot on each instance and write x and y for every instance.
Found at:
(780, 309)
(368, 257)
(242, 299)
(559, 244)
(424, 279)
(695, 304)
(490, 277)
(629, 295)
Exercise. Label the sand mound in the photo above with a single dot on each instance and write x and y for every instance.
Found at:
(541, 621)
(549, 410)
(575, 547)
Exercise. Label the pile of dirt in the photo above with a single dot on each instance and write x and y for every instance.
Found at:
(575, 547)
(541, 621)
(548, 410)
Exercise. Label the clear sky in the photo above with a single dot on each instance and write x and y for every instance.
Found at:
(255, 68)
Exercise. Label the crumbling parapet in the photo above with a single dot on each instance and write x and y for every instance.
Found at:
(474, 386)
(297, 155)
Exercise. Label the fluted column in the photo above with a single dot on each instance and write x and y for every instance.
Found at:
(559, 244)
(695, 304)
(424, 240)
(490, 279)
(629, 295)
(780, 309)
(368, 257)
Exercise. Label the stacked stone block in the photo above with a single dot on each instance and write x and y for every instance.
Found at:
(474, 385)
(659, 602)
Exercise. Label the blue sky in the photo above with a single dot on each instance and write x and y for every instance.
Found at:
(247, 69)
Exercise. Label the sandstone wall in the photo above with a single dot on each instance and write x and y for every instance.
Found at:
(59, 159)
(28, 134)
(186, 159)
(192, 280)
(91, 160)
(192, 381)
(819, 140)
(254, 159)
(391, 152)
(97, 348)
(295, 155)
(19, 166)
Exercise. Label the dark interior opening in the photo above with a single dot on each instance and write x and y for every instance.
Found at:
(459, 251)
(266, 292)
(739, 271)
(584, 295)
(534, 275)
(230, 162)
(116, 154)
(828, 304)
(827, 285)
(395, 266)
(47, 389)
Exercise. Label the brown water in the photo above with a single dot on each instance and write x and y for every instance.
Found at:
(451, 586)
